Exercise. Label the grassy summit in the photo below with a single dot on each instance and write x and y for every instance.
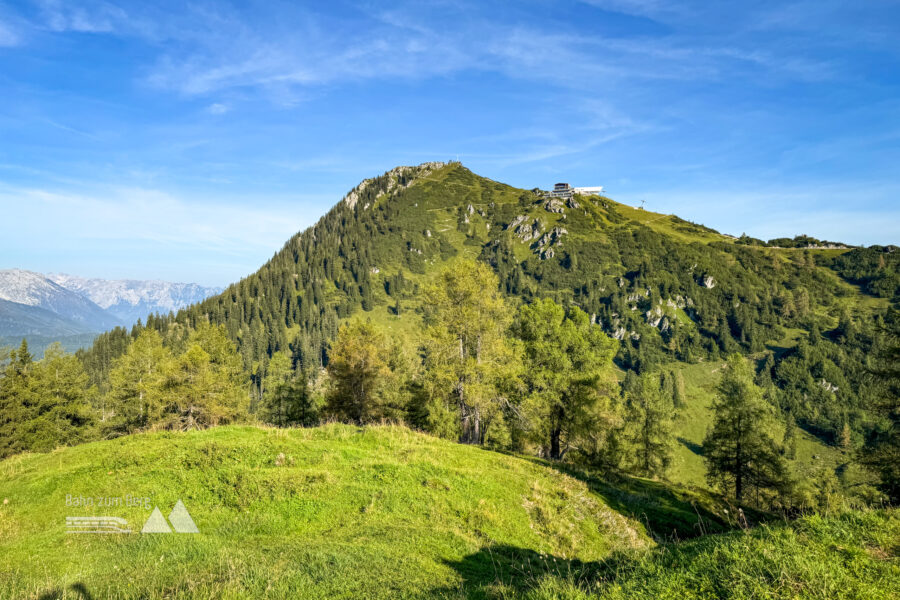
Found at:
(383, 512)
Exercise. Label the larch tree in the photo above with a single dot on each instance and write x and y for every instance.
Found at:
(567, 372)
(470, 364)
(358, 370)
(138, 381)
(208, 384)
(739, 450)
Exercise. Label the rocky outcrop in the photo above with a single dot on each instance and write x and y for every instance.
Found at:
(552, 237)
(396, 178)
(555, 205)
(829, 387)
(544, 246)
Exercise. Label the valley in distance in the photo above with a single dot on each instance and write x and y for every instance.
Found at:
(449, 387)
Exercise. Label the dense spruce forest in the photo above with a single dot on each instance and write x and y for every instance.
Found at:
(503, 317)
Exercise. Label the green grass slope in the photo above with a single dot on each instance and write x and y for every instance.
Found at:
(336, 511)
(855, 556)
(384, 512)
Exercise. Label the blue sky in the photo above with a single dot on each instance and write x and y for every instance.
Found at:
(188, 141)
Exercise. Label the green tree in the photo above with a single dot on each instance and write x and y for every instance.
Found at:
(286, 397)
(44, 404)
(567, 372)
(679, 396)
(648, 426)
(17, 397)
(207, 385)
(739, 450)
(789, 443)
(358, 369)
(63, 412)
(139, 385)
(881, 453)
(470, 364)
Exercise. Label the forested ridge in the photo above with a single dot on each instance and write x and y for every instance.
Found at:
(660, 290)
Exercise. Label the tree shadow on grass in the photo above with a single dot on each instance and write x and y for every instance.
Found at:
(79, 589)
(503, 571)
(669, 513)
(692, 446)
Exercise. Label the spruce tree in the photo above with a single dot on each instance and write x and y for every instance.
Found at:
(882, 450)
(17, 399)
(648, 427)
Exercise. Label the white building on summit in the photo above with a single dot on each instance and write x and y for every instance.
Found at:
(590, 191)
(564, 190)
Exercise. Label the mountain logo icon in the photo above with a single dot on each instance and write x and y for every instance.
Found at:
(180, 519)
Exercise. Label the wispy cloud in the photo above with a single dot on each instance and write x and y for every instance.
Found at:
(160, 219)
(8, 36)
(87, 17)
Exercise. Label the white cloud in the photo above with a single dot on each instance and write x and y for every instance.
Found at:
(218, 108)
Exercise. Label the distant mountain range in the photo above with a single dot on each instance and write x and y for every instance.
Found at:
(70, 309)
(129, 299)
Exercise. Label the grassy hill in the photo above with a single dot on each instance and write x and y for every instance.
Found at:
(379, 512)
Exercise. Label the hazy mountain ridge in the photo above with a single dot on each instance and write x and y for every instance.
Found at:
(72, 310)
(27, 288)
(131, 299)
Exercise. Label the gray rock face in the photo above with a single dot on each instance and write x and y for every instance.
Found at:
(555, 205)
(553, 236)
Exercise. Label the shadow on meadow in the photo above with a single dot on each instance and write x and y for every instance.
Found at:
(692, 446)
(502, 571)
(668, 513)
(80, 593)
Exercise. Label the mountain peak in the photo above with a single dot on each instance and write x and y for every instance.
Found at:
(398, 177)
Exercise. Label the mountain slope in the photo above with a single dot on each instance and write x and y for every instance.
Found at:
(674, 293)
(129, 300)
(62, 308)
(22, 320)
